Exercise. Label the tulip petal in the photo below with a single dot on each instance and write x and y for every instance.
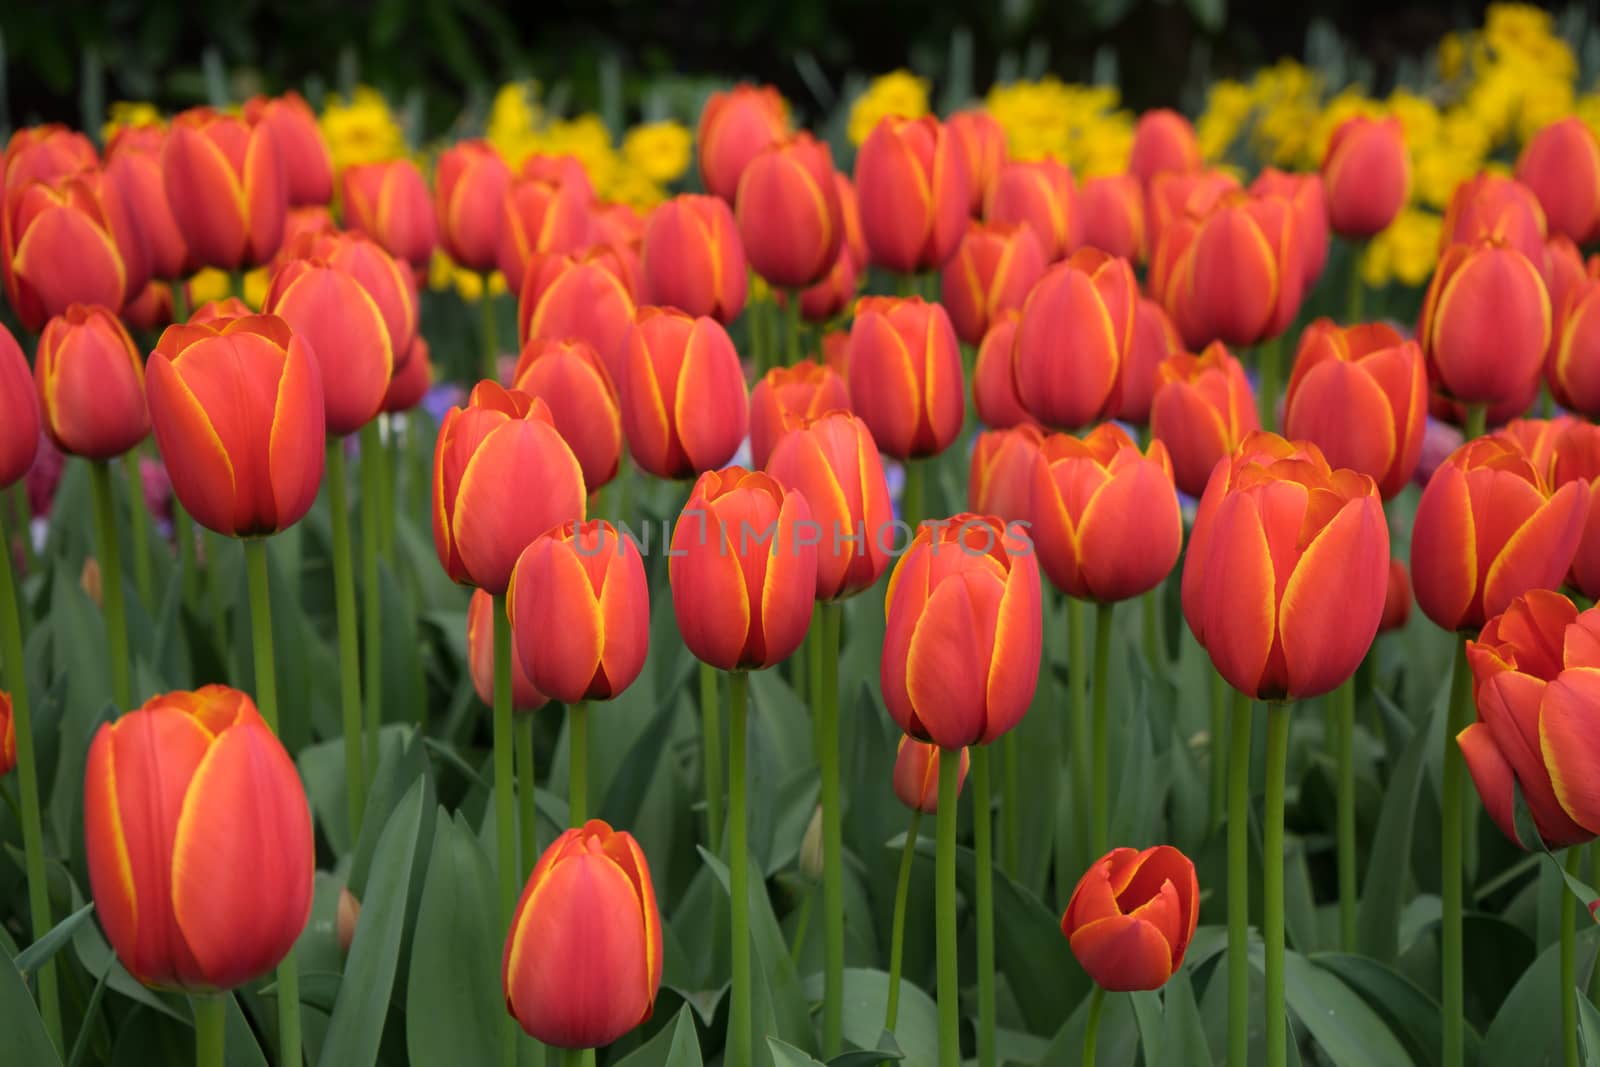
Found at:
(1131, 533)
(1123, 954)
(625, 610)
(1540, 553)
(294, 444)
(1569, 737)
(1239, 603)
(1334, 599)
(198, 464)
(708, 589)
(1444, 549)
(1491, 774)
(948, 660)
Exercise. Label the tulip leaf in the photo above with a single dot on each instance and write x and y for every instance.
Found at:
(43, 950)
(1412, 1015)
(26, 1039)
(1147, 1018)
(866, 996)
(1348, 1031)
(1384, 895)
(677, 1045)
(1185, 1041)
(786, 1055)
(1527, 1028)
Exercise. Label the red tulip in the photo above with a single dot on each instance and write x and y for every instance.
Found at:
(983, 145)
(69, 242)
(1238, 276)
(1076, 328)
(331, 312)
(1491, 206)
(19, 412)
(788, 212)
(1175, 196)
(8, 735)
(833, 294)
(916, 775)
(1132, 916)
(994, 379)
(734, 127)
(389, 202)
(1397, 602)
(905, 375)
(1306, 197)
(91, 384)
(1000, 477)
(789, 397)
(570, 378)
(1154, 340)
(1163, 141)
(1485, 323)
(225, 184)
(1575, 347)
(1040, 195)
(525, 696)
(470, 185)
(1112, 207)
(1367, 172)
(412, 379)
(541, 216)
(1202, 409)
(133, 164)
(43, 154)
(911, 177)
(389, 284)
(563, 169)
(850, 216)
(1561, 164)
(692, 259)
(684, 408)
(1576, 458)
(994, 268)
(588, 298)
(307, 165)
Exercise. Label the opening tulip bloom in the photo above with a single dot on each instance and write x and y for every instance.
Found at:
(589, 298)
(1536, 680)
(571, 379)
(1485, 323)
(19, 412)
(911, 178)
(1287, 570)
(1366, 171)
(1000, 479)
(1041, 195)
(332, 313)
(469, 189)
(580, 611)
(1132, 916)
(1360, 394)
(525, 696)
(133, 164)
(389, 202)
(225, 184)
(199, 841)
(307, 164)
(1112, 207)
(1077, 326)
(1163, 141)
(44, 153)
(482, 520)
(1154, 340)
(1237, 276)
(1561, 164)
(734, 127)
(994, 379)
(91, 384)
(983, 146)
(582, 962)
(916, 775)
(964, 632)
(788, 397)
(1105, 516)
(692, 259)
(684, 407)
(1202, 409)
(541, 216)
(743, 570)
(994, 268)
(69, 241)
(905, 375)
(1492, 206)
(789, 217)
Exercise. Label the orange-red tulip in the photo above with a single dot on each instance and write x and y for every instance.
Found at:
(684, 406)
(1112, 208)
(1570, 368)
(332, 313)
(734, 127)
(1367, 172)
(390, 285)
(1538, 438)
(19, 412)
(788, 212)
(905, 375)
(43, 154)
(995, 267)
(1178, 196)
(1397, 602)
(1154, 340)
(983, 145)
(580, 611)
(389, 202)
(1076, 328)
(916, 775)
(1202, 409)
(1239, 277)
(1497, 207)
(481, 522)
(1536, 675)
(1041, 195)
(570, 378)
(1000, 477)
(69, 242)
(1576, 458)
(565, 169)
(582, 962)
(1360, 394)
(469, 189)
(133, 164)
(1309, 205)
(151, 310)
(1485, 323)
(743, 570)
(307, 164)
(789, 397)
(620, 226)
(91, 384)
(525, 696)
(8, 735)
(850, 216)
(1163, 141)
(1561, 164)
(225, 184)
(199, 840)
(589, 298)
(911, 178)
(1132, 916)
(1105, 516)
(994, 378)
(541, 216)
(835, 292)
(964, 632)
(412, 379)
(1287, 571)
(692, 258)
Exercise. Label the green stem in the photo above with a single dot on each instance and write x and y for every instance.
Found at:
(214, 543)
(578, 763)
(793, 346)
(1091, 1025)
(711, 755)
(802, 925)
(1477, 422)
(11, 659)
(1453, 801)
(1219, 733)
(1272, 881)
(527, 809)
(1271, 352)
(1155, 650)
(949, 987)
(912, 503)
(344, 601)
(1344, 704)
(739, 1025)
(897, 934)
(139, 529)
(1082, 738)
(1239, 882)
(30, 558)
(1100, 805)
(210, 1027)
(1594, 879)
(188, 563)
(180, 301)
(372, 602)
(1357, 292)
(386, 508)
(1011, 803)
(832, 836)
(505, 808)
(110, 548)
(1569, 961)
(984, 899)
(491, 346)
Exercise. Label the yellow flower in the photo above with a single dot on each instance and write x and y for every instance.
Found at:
(209, 284)
(361, 129)
(897, 93)
(513, 120)
(634, 188)
(660, 150)
(1405, 252)
(129, 113)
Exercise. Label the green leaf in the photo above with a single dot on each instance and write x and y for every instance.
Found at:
(675, 1046)
(1348, 1031)
(1527, 1029)
(1185, 1044)
(44, 950)
(1147, 1018)
(866, 997)
(786, 1055)
(26, 1040)
(1383, 897)
(1210, 14)
(1412, 1014)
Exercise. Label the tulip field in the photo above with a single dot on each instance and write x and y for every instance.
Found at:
(930, 580)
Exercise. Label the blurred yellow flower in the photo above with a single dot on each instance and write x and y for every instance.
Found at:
(129, 113)
(1405, 252)
(1075, 124)
(513, 120)
(899, 92)
(361, 129)
(209, 284)
(660, 150)
(634, 188)
(1228, 104)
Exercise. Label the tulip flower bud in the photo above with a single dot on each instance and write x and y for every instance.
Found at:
(692, 259)
(1041, 195)
(1132, 916)
(1155, 339)
(1367, 172)
(8, 735)
(348, 918)
(1536, 682)
(1076, 328)
(1495, 207)
(1577, 459)
(1163, 141)
(1174, 197)
(995, 267)
(1575, 347)
(1397, 602)
(133, 164)
(789, 397)
(580, 611)
(226, 187)
(43, 154)
(1485, 323)
(334, 315)
(1307, 548)
(1309, 231)
(811, 858)
(788, 211)
(307, 165)
(1112, 208)
(411, 381)
(1561, 164)
(905, 375)
(912, 181)
(1202, 409)
(582, 962)
(850, 216)
(1000, 479)
(1360, 394)
(390, 285)
(684, 406)
(500, 440)
(983, 146)
(734, 127)
(525, 696)
(994, 380)
(91, 384)
(470, 184)
(916, 775)
(69, 242)
(389, 202)
(589, 298)
(1239, 277)
(1105, 515)
(835, 292)
(743, 570)
(541, 216)
(19, 412)
(570, 378)
(185, 897)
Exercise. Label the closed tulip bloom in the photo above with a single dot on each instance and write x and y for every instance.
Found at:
(151, 310)
(59, 245)
(582, 962)
(1309, 204)
(1366, 170)
(1173, 196)
(1000, 476)
(580, 611)
(905, 375)
(225, 184)
(570, 378)
(1397, 602)
(684, 406)
(619, 226)
(692, 258)
(964, 632)
(43, 154)
(389, 202)
(1536, 681)
(1077, 326)
(1239, 279)
(390, 285)
(1492, 206)
(983, 145)
(332, 313)
(1561, 164)
(834, 461)
(788, 212)
(201, 857)
(19, 412)
(411, 380)
(1154, 340)
(541, 216)
(916, 775)
(1132, 916)
(588, 297)
(1105, 516)
(91, 384)
(469, 189)
(307, 164)
(1112, 208)
(1487, 530)
(8, 736)
(1202, 408)
(1287, 571)
(911, 178)
(734, 127)
(743, 570)
(833, 294)
(1041, 195)
(133, 164)
(1570, 368)
(525, 696)
(1485, 323)
(850, 217)
(995, 267)
(1576, 459)
(1163, 141)
(481, 523)
(789, 397)
(994, 379)
(1360, 394)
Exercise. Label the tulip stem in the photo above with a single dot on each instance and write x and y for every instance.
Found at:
(1011, 803)
(1091, 1025)
(1219, 764)
(829, 617)
(30, 558)
(897, 934)
(1082, 742)
(949, 988)
(984, 900)
(372, 603)
(505, 813)
(1594, 879)
(1357, 292)
(386, 509)
(491, 345)
(1101, 803)
(344, 600)
(1569, 960)
(139, 529)
(711, 755)
(1477, 423)
(527, 809)
(792, 350)
(1344, 705)
(1239, 882)
(911, 503)
(1155, 650)
(802, 925)
(210, 1028)
(578, 762)
(1272, 880)
(1452, 801)
(188, 563)
(116, 615)
(1271, 355)
(739, 1028)
(11, 658)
